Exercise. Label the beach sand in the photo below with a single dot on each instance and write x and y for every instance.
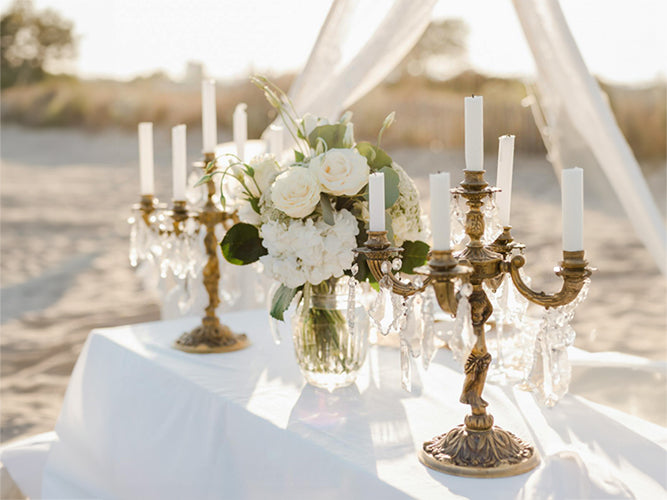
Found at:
(66, 197)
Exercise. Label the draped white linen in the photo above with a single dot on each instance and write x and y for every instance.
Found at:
(142, 420)
(361, 41)
(571, 98)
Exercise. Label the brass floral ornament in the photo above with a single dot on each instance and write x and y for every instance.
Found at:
(477, 448)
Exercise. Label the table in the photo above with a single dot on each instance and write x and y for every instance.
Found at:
(142, 420)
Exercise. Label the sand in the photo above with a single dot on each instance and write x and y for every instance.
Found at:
(64, 238)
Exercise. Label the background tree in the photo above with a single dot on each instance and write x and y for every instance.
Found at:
(31, 42)
(443, 44)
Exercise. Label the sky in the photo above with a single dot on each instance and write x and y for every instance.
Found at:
(622, 41)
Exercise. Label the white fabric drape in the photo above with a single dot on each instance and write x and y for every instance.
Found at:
(361, 41)
(571, 97)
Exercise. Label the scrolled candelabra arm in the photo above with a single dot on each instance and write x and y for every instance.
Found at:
(378, 252)
(442, 271)
(573, 270)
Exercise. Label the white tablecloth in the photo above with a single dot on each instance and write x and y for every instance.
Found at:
(142, 420)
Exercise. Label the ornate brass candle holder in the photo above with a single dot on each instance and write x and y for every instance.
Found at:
(211, 336)
(477, 448)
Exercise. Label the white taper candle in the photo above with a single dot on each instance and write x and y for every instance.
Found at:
(240, 129)
(440, 223)
(376, 201)
(572, 189)
(275, 140)
(146, 164)
(209, 116)
(504, 177)
(474, 132)
(178, 161)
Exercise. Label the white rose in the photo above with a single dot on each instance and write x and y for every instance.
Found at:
(341, 171)
(265, 170)
(296, 192)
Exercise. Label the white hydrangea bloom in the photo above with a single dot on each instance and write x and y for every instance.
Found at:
(406, 213)
(309, 250)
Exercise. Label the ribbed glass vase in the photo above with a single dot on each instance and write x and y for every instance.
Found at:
(330, 332)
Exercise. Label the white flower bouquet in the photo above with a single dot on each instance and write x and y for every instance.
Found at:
(302, 220)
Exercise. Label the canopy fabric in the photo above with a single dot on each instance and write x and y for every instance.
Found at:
(359, 44)
(571, 97)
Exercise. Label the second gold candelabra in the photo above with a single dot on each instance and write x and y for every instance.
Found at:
(477, 448)
(211, 335)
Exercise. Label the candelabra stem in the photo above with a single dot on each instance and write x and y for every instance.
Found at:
(211, 336)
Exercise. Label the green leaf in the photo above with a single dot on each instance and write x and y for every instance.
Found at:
(391, 192)
(332, 135)
(415, 254)
(242, 245)
(254, 203)
(298, 155)
(376, 157)
(327, 210)
(388, 226)
(204, 180)
(281, 300)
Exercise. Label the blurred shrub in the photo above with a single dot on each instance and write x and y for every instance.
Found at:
(31, 42)
(428, 113)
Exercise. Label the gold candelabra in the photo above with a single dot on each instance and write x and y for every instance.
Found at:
(212, 335)
(477, 448)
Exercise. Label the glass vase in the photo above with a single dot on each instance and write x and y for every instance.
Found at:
(330, 331)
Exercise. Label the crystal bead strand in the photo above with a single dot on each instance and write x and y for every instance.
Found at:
(462, 338)
(492, 226)
(406, 367)
(457, 217)
(378, 309)
(133, 255)
(428, 318)
(550, 371)
(352, 299)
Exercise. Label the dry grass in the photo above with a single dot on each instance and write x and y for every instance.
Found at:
(429, 114)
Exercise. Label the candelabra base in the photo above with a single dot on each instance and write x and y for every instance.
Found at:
(211, 337)
(487, 453)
